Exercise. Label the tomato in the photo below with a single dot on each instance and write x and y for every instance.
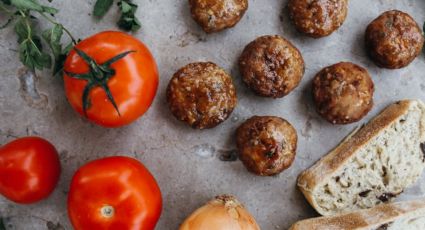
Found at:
(29, 169)
(116, 193)
(115, 93)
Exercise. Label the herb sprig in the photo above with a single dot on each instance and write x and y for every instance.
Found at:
(128, 20)
(31, 51)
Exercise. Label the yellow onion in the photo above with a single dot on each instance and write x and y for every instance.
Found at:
(222, 213)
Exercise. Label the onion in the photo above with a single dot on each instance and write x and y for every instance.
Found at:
(222, 213)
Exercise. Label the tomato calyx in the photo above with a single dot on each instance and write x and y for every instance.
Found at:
(97, 76)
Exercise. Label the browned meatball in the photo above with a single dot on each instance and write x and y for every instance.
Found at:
(202, 95)
(394, 40)
(267, 145)
(271, 66)
(318, 18)
(217, 15)
(343, 93)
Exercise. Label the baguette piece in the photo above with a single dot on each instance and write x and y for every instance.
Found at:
(371, 166)
(408, 215)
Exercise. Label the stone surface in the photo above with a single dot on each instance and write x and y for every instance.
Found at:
(186, 162)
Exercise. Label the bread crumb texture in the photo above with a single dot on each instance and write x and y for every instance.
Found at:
(372, 166)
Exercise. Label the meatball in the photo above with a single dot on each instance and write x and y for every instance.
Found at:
(343, 93)
(201, 94)
(267, 145)
(217, 15)
(394, 40)
(317, 18)
(271, 66)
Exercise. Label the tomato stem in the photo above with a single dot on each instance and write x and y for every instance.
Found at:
(98, 76)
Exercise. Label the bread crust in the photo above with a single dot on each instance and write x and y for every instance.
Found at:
(322, 170)
(371, 218)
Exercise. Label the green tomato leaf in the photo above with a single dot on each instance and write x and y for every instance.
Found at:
(33, 5)
(101, 7)
(22, 29)
(128, 20)
(31, 52)
(7, 2)
(44, 61)
(125, 7)
(30, 49)
(2, 225)
(60, 60)
(53, 38)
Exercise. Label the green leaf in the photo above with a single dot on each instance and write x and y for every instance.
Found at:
(101, 7)
(21, 29)
(31, 52)
(7, 2)
(2, 225)
(44, 61)
(53, 38)
(33, 5)
(125, 7)
(30, 49)
(60, 60)
(128, 20)
(68, 48)
(27, 4)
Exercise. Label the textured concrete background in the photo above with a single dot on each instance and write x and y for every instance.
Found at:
(187, 162)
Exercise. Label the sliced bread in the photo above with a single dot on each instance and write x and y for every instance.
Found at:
(372, 165)
(397, 216)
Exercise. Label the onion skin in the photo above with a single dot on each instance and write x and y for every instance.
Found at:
(222, 213)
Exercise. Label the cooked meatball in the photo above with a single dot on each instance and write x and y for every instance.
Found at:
(202, 95)
(267, 145)
(394, 40)
(271, 66)
(343, 93)
(317, 18)
(217, 15)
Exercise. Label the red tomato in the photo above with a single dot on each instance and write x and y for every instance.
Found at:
(116, 94)
(116, 193)
(29, 169)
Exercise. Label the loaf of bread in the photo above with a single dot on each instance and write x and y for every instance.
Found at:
(397, 216)
(372, 165)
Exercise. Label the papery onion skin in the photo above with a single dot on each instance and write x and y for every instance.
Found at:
(225, 212)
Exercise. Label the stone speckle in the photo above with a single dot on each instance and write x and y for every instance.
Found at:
(29, 91)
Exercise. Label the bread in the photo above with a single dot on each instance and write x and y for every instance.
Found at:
(372, 165)
(397, 216)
